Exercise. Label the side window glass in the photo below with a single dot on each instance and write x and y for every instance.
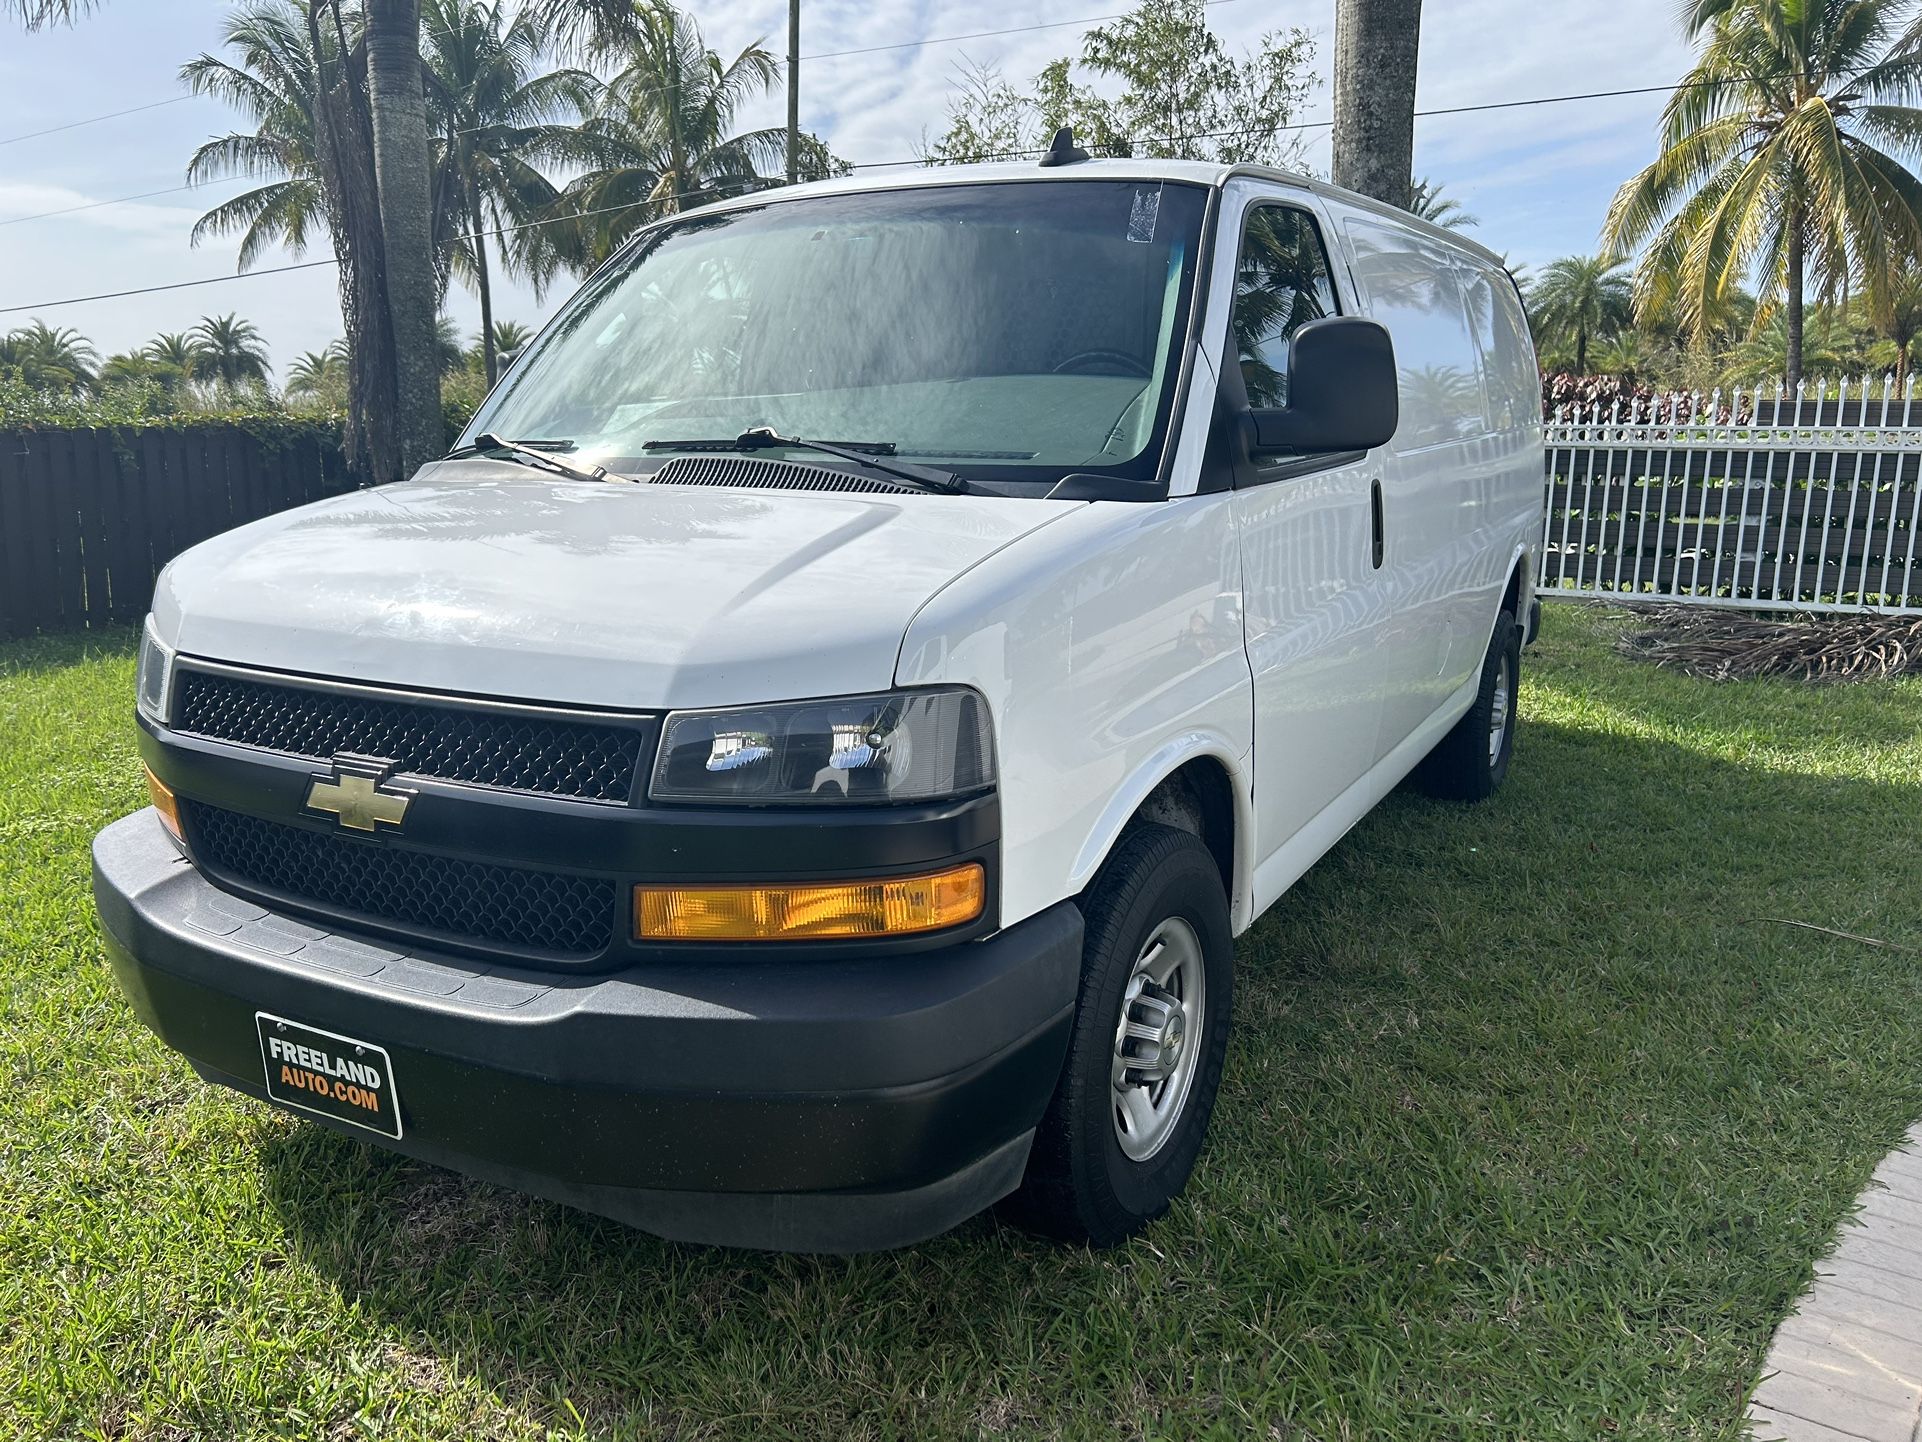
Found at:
(1411, 287)
(1514, 385)
(1281, 283)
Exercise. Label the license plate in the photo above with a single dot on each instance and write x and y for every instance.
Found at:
(328, 1074)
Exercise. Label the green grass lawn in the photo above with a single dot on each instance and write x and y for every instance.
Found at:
(1532, 1128)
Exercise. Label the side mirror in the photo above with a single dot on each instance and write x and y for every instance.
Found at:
(1342, 391)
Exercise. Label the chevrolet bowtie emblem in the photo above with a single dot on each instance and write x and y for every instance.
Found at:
(355, 797)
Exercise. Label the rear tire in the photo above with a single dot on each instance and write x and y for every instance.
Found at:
(1150, 1036)
(1471, 761)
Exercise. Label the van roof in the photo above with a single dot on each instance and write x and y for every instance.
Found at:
(1193, 172)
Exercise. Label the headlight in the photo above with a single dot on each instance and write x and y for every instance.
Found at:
(155, 675)
(865, 750)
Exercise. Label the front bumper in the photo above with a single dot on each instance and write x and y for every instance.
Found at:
(811, 1104)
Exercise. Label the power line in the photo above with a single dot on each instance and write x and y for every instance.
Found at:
(176, 285)
(330, 260)
(1019, 154)
(868, 165)
(93, 120)
(97, 204)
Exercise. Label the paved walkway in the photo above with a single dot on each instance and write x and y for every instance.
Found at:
(1847, 1363)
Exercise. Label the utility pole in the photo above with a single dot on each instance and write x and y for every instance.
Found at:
(793, 91)
(1376, 45)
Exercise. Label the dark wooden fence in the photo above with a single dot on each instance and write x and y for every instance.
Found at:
(88, 517)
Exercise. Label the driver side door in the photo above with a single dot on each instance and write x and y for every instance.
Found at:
(1310, 562)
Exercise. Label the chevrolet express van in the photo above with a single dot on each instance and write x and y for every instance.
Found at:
(793, 774)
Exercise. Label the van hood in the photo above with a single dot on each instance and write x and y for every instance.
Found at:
(487, 578)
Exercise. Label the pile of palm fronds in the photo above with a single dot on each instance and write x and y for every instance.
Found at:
(1732, 646)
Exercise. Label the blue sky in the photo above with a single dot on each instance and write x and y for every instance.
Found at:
(1538, 178)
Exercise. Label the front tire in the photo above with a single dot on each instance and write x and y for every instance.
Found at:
(1471, 761)
(1126, 1123)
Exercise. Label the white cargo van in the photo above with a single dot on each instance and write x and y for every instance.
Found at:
(792, 775)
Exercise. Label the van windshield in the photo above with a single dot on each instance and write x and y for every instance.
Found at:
(1013, 332)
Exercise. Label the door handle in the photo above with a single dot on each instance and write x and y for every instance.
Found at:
(1374, 514)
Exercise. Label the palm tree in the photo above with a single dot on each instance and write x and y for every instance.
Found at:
(35, 14)
(46, 358)
(1427, 201)
(449, 355)
(403, 169)
(145, 367)
(299, 70)
(1374, 139)
(1764, 356)
(1779, 162)
(273, 82)
(179, 352)
(594, 30)
(496, 116)
(128, 368)
(511, 335)
(319, 374)
(1580, 297)
(1625, 354)
(231, 351)
(1902, 327)
(659, 138)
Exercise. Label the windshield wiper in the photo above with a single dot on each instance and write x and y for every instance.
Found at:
(532, 454)
(863, 453)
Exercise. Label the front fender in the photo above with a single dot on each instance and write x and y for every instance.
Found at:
(1157, 768)
(1109, 647)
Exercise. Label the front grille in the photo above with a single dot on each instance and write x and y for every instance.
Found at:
(507, 906)
(512, 750)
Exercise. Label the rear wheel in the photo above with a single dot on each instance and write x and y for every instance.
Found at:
(1127, 1119)
(1472, 759)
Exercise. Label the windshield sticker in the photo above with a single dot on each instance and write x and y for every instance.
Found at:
(1141, 220)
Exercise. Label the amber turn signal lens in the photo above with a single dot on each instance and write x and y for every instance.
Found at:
(895, 906)
(164, 802)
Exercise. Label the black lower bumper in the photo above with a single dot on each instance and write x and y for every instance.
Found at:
(818, 1105)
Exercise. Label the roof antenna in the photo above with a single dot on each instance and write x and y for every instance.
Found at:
(1064, 151)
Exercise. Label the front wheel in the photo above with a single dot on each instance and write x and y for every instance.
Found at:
(1127, 1119)
(1471, 761)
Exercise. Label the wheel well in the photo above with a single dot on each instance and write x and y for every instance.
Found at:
(1512, 598)
(1197, 798)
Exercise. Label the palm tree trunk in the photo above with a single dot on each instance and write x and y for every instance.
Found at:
(1376, 46)
(1796, 264)
(793, 91)
(1581, 350)
(490, 361)
(345, 143)
(398, 105)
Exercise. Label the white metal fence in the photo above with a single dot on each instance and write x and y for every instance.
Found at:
(1756, 499)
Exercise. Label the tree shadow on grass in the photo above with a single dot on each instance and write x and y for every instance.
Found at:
(1532, 1123)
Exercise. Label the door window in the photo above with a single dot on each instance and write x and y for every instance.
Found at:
(1281, 283)
(1410, 287)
